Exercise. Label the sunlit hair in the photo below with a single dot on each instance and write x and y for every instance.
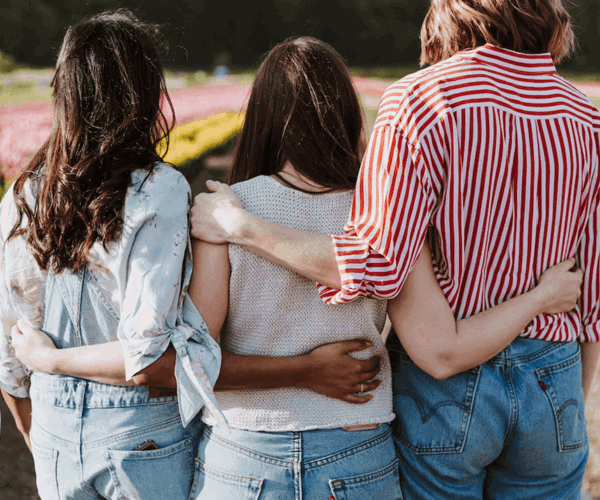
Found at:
(527, 26)
(303, 108)
(108, 87)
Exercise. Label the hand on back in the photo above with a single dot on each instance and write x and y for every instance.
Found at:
(560, 287)
(339, 375)
(32, 347)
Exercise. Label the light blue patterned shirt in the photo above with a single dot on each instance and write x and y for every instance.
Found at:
(144, 275)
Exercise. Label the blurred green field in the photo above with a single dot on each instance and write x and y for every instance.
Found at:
(22, 85)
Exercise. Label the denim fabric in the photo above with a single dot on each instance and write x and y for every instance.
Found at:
(83, 433)
(512, 428)
(133, 290)
(83, 436)
(332, 464)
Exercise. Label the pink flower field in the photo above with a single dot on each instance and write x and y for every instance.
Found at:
(25, 127)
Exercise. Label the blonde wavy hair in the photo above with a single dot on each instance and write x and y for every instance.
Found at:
(527, 26)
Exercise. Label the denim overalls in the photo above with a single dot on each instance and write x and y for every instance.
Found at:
(84, 434)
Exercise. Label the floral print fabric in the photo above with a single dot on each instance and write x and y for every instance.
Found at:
(144, 276)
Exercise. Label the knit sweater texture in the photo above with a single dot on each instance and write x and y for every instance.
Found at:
(275, 312)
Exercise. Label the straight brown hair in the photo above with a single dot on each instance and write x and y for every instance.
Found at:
(303, 108)
(527, 26)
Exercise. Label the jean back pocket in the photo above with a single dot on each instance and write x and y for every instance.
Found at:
(212, 484)
(46, 472)
(433, 416)
(382, 484)
(560, 382)
(162, 473)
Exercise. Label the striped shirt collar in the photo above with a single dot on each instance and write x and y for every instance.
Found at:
(509, 60)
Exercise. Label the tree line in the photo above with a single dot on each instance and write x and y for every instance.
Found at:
(204, 33)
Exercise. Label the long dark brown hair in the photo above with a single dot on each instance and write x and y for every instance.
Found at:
(529, 26)
(303, 108)
(108, 86)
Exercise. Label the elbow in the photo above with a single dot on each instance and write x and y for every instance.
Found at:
(442, 366)
(141, 378)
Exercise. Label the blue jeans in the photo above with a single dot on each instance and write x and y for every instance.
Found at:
(84, 435)
(512, 428)
(332, 464)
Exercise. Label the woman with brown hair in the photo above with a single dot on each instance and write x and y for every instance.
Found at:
(94, 248)
(296, 164)
(491, 159)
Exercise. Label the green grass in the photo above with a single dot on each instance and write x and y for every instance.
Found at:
(20, 93)
(596, 101)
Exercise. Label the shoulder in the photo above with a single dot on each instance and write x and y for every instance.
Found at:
(419, 91)
(163, 191)
(257, 182)
(260, 187)
(8, 206)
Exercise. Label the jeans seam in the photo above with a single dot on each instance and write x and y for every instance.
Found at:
(470, 393)
(522, 360)
(172, 422)
(513, 405)
(557, 411)
(349, 451)
(234, 478)
(333, 483)
(248, 452)
(298, 466)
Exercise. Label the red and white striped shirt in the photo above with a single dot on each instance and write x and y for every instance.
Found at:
(498, 156)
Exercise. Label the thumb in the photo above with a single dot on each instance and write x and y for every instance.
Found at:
(356, 345)
(565, 265)
(216, 186)
(24, 327)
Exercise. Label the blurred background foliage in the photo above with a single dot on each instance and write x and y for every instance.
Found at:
(205, 33)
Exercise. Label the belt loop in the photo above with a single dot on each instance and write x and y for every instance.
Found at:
(80, 397)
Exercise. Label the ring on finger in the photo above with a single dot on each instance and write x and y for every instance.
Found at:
(362, 388)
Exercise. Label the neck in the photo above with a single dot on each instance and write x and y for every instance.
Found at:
(296, 179)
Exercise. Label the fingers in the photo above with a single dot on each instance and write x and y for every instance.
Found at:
(367, 387)
(356, 345)
(369, 365)
(217, 187)
(15, 332)
(357, 400)
(565, 265)
(24, 327)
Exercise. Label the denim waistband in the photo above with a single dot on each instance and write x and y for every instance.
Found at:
(525, 350)
(72, 392)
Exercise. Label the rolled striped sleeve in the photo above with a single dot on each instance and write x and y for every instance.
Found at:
(390, 213)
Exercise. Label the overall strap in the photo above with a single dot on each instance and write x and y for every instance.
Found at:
(71, 285)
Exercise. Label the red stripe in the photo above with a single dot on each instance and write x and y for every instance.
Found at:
(508, 180)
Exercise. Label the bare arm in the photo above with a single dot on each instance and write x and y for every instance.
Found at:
(219, 218)
(443, 347)
(329, 369)
(21, 411)
(209, 286)
(102, 363)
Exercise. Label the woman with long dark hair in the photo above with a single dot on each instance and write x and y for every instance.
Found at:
(94, 248)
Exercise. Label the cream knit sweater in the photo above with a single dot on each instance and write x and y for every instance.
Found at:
(275, 312)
